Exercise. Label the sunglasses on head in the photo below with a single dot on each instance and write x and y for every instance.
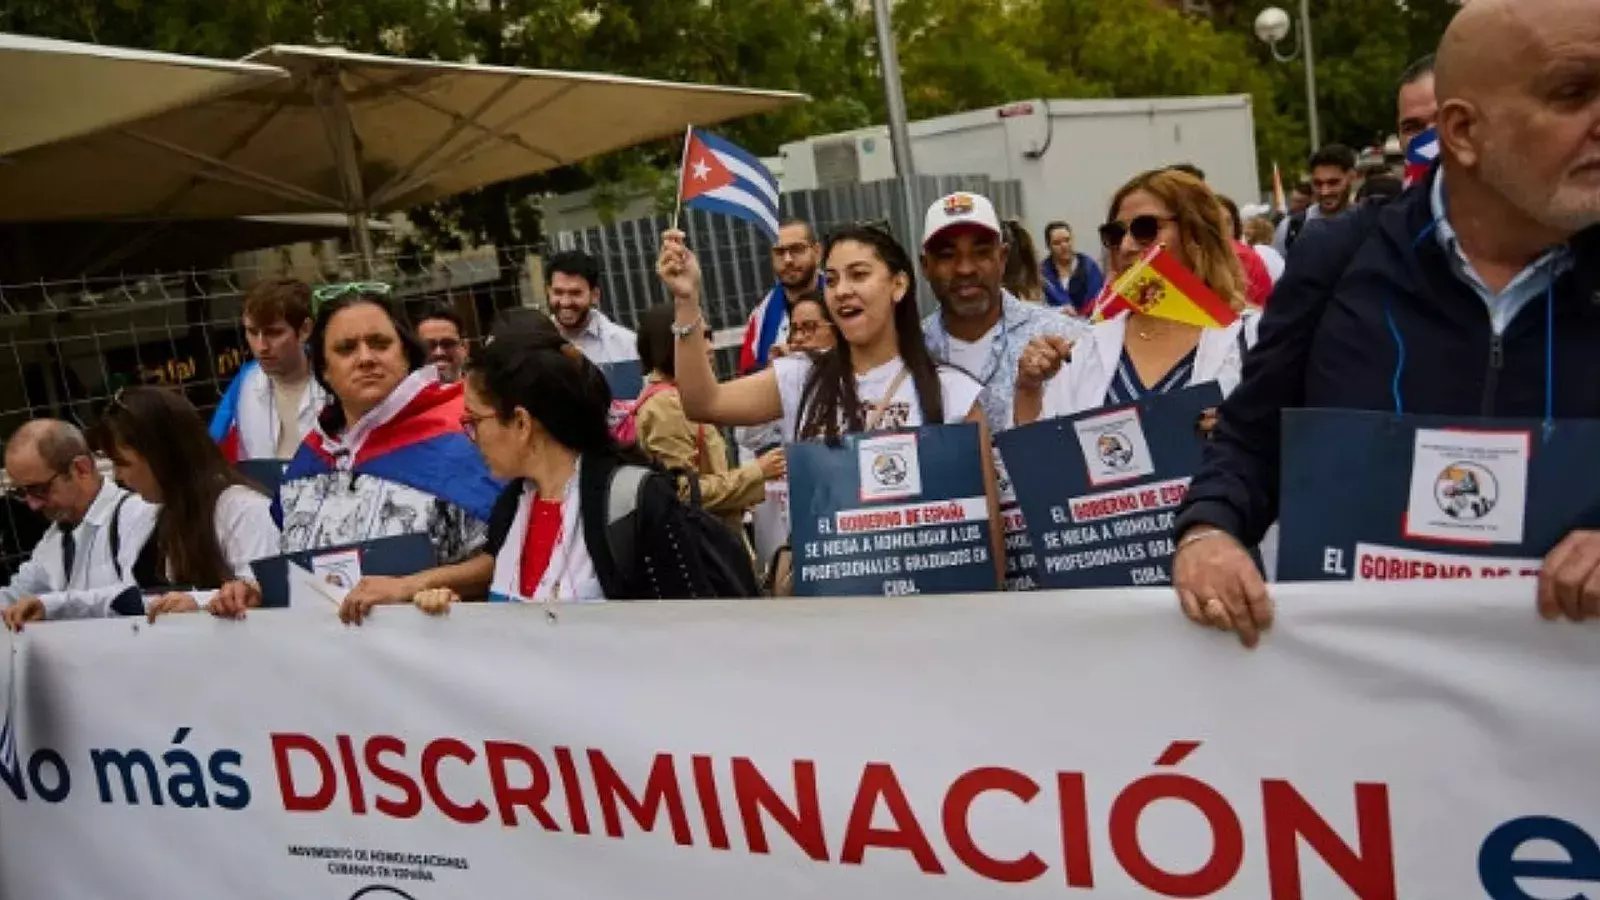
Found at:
(1144, 230)
(323, 293)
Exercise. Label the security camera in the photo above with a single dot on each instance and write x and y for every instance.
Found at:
(1272, 25)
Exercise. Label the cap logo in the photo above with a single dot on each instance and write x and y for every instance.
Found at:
(958, 205)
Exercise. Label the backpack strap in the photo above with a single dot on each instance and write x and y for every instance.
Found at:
(115, 537)
(608, 492)
(1296, 223)
(622, 501)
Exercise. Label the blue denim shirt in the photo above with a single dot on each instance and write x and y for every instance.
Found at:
(1019, 323)
(1530, 284)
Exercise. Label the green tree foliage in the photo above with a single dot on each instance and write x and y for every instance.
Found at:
(1361, 47)
(955, 54)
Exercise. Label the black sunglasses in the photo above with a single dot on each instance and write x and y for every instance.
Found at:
(1143, 228)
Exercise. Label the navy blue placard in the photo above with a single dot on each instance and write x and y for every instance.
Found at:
(266, 472)
(399, 555)
(891, 513)
(1099, 490)
(625, 378)
(1021, 562)
(1348, 509)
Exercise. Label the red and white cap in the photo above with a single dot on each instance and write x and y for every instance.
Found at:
(958, 210)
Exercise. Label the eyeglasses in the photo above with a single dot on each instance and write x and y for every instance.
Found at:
(40, 491)
(322, 293)
(784, 251)
(469, 424)
(448, 345)
(1144, 230)
(808, 329)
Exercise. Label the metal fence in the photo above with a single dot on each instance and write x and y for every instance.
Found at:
(66, 347)
(734, 255)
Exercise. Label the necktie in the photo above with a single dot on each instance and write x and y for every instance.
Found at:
(69, 551)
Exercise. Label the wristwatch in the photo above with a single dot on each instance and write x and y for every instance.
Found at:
(682, 332)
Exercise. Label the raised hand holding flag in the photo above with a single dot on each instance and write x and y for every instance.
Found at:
(718, 176)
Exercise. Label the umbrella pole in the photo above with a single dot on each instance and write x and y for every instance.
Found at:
(342, 134)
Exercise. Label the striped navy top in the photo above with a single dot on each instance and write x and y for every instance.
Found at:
(1126, 387)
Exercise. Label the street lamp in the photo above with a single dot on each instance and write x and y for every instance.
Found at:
(1272, 26)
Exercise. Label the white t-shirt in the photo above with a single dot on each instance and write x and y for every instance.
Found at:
(960, 392)
(973, 358)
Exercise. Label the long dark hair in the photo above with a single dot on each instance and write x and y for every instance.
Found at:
(162, 427)
(534, 368)
(332, 418)
(830, 396)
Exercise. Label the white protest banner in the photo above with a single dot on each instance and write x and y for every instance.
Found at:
(1384, 742)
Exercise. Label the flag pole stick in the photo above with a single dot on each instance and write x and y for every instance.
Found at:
(683, 160)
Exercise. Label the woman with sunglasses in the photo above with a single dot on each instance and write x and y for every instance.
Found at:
(212, 522)
(387, 457)
(1123, 359)
(679, 445)
(879, 376)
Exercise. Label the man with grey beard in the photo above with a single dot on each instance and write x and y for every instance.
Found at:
(1475, 294)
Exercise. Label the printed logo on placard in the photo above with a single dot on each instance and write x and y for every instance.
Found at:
(1468, 487)
(1466, 491)
(376, 891)
(1114, 447)
(889, 467)
(1116, 451)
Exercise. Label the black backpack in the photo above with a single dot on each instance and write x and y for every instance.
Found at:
(645, 543)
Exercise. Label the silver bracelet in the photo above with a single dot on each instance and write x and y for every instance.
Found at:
(683, 332)
(1194, 537)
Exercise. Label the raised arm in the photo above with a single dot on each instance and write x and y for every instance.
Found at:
(753, 400)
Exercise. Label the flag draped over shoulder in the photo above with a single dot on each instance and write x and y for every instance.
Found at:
(1158, 285)
(764, 329)
(421, 446)
(719, 176)
(225, 421)
(1421, 154)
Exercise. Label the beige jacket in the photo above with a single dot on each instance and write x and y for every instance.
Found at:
(670, 438)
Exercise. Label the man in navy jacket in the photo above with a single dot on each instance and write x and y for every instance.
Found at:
(1448, 300)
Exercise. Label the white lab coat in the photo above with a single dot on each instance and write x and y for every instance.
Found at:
(96, 578)
(257, 417)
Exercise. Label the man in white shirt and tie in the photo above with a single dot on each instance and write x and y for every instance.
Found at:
(572, 280)
(86, 559)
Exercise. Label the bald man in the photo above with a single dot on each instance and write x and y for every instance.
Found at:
(1450, 300)
(86, 558)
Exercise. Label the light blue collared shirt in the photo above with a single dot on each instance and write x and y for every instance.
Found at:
(1531, 283)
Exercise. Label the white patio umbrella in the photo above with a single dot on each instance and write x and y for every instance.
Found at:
(54, 90)
(358, 134)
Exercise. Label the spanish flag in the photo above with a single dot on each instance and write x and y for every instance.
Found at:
(1157, 285)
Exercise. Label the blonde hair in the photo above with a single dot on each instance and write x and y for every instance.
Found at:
(1207, 240)
(1258, 231)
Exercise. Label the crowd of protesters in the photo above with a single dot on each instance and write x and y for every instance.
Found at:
(512, 465)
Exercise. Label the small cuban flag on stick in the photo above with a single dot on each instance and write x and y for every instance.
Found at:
(719, 176)
(1421, 154)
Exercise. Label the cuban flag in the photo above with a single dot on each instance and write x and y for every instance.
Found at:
(722, 177)
(413, 438)
(225, 421)
(1421, 154)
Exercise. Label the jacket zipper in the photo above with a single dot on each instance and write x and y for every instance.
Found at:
(1491, 381)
